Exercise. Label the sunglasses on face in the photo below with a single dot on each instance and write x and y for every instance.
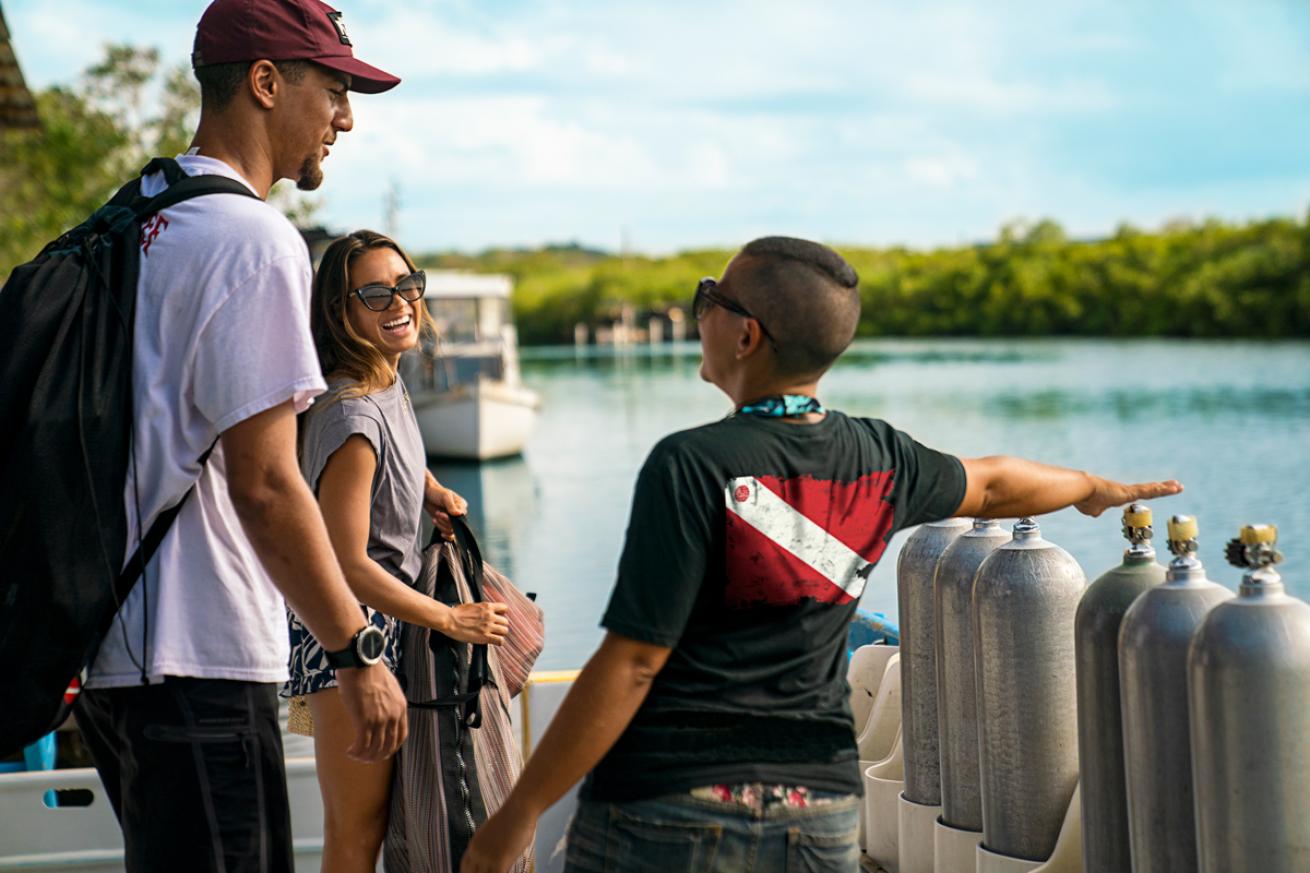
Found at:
(707, 295)
(377, 296)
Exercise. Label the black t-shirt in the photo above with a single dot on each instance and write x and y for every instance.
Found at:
(749, 545)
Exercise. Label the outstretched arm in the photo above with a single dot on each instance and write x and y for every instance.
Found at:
(592, 717)
(1006, 487)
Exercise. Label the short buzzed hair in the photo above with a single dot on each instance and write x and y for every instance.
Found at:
(219, 82)
(807, 296)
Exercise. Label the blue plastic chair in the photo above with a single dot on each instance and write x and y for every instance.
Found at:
(38, 756)
(871, 627)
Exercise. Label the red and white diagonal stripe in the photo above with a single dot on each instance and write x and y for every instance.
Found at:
(798, 539)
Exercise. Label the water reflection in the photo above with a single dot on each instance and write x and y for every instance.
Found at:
(1230, 420)
(869, 352)
(1130, 405)
(502, 497)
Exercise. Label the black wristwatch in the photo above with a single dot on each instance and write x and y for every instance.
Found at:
(364, 650)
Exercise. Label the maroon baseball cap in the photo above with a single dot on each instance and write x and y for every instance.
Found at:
(283, 30)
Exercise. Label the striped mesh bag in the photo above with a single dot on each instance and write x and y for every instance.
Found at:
(461, 758)
(527, 634)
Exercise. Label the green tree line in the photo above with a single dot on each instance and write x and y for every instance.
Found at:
(1207, 279)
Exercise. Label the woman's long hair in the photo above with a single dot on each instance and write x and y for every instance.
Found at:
(341, 350)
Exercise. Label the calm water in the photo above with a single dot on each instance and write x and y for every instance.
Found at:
(1229, 420)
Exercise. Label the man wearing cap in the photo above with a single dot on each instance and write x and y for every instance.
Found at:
(180, 711)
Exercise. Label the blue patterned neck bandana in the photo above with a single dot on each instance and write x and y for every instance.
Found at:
(782, 406)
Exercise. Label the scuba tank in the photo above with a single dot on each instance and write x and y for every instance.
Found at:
(957, 699)
(1153, 641)
(1249, 680)
(914, 586)
(1100, 731)
(1024, 598)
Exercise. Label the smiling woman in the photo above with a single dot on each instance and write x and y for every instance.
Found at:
(399, 323)
(367, 310)
(362, 455)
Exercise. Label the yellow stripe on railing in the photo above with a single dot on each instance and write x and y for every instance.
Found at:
(541, 677)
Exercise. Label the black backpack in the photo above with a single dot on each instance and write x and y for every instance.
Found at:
(66, 418)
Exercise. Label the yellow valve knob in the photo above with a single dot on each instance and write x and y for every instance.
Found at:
(1183, 528)
(1259, 534)
(1137, 516)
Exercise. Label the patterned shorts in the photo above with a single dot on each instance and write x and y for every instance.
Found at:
(309, 668)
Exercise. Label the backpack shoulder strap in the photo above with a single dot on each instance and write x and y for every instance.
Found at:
(191, 186)
(182, 187)
(135, 566)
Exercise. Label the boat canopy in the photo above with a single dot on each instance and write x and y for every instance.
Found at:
(460, 285)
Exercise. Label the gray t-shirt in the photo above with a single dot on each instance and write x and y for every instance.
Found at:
(387, 421)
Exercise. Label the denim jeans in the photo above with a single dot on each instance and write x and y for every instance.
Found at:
(685, 833)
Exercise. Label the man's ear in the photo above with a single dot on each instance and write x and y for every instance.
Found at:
(749, 339)
(264, 82)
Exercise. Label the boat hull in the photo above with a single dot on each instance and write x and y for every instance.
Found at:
(480, 421)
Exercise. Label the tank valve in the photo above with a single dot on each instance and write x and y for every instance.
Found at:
(1137, 525)
(1183, 532)
(1255, 547)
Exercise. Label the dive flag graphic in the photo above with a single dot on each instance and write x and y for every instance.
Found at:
(791, 540)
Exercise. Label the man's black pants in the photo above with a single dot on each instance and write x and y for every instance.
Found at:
(193, 768)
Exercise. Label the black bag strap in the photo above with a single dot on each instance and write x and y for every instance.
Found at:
(466, 549)
(172, 170)
(154, 538)
(467, 545)
(470, 553)
(181, 187)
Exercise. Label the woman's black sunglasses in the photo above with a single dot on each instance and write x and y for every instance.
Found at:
(707, 295)
(377, 296)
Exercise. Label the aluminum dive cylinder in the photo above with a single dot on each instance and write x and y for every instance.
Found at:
(1249, 679)
(1153, 641)
(957, 699)
(1025, 595)
(914, 574)
(1100, 730)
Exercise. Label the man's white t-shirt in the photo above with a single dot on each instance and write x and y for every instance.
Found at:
(222, 333)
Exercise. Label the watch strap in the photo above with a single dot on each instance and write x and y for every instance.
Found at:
(349, 656)
(344, 658)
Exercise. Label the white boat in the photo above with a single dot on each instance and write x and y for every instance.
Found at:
(467, 393)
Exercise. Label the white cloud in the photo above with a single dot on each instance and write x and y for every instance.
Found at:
(419, 42)
(994, 96)
(941, 171)
(57, 41)
(500, 141)
(694, 122)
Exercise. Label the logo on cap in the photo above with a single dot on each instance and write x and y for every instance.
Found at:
(335, 18)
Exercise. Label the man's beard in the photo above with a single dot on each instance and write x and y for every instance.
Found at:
(310, 175)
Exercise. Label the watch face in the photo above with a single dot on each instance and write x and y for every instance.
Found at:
(370, 644)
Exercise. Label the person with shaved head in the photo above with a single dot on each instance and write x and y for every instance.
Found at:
(713, 725)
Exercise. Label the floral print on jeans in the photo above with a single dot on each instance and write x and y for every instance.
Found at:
(758, 796)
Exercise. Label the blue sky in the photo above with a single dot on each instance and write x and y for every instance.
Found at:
(676, 124)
